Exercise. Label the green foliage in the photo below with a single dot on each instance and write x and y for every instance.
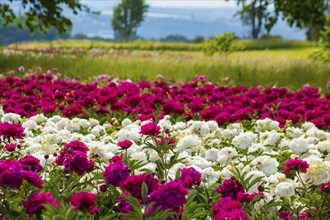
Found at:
(42, 15)
(323, 53)
(127, 16)
(222, 44)
(265, 13)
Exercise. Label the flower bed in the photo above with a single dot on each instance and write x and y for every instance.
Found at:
(60, 168)
(106, 98)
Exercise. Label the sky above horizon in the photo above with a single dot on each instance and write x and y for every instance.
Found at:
(170, 3)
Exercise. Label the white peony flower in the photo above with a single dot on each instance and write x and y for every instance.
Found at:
(244, 140)
(126, 122)
(285, 189)
(39, 118)
(211, 154)
(266, 125)
(11, 117)
(188, 142)
(317, 172)
(323, 146)
(266, 164)
(294, 132)
(299, 145)
(226, 154)
(30, 124)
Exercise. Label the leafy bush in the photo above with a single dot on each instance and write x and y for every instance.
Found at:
(222, 44)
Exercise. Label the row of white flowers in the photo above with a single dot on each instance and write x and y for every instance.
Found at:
(259, 149)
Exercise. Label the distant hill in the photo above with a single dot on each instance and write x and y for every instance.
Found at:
(161, 22)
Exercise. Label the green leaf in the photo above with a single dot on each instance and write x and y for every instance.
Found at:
(144, 192)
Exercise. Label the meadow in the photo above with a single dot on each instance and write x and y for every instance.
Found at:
(285, 66)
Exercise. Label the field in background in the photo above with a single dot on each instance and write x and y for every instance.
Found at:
(289, 67)
(162, 46)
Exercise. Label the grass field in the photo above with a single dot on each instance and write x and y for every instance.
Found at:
(163, 46)
(282, 67)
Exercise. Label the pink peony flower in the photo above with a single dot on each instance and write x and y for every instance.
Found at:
(190, 177)
(133, 184)
(116, 172)
(37, 201)
(84, 201)
(150, 129)
(10, 147)
(125, 144)
(295, 164)
(230, 188)
(11, 130)
(171, 196)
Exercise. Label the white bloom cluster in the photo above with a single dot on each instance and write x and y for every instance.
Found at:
(211, 150)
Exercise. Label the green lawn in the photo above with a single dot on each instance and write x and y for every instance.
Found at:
(290, 68)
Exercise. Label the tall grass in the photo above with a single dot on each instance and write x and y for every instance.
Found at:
(266, 68)
(264, 44)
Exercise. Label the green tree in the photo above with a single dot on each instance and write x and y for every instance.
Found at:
(41, 14)
(127, 17)
(265, 13)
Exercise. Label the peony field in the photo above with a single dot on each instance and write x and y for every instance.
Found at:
(161, 150)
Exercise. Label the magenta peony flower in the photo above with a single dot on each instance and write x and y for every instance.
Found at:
(171, 195)
(123, 204)
(304, 215)
(10, 147)
(77, 162)
(74, 158)
(225, 204)
(125, 144)
(295, 164)
(234, 214)
(150, 129)
(37, 201)
(12, 174)
(11, 130)
(31, 163)
(230, 188)
(285, 215)
(84, 201)
(325, 187)
(190, 177)
(133, 184)
(117, 172)
(33, 179)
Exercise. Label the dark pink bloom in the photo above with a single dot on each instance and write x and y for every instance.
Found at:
(11, 130)
(116, 172)
(10, 147)
(133, 184)
(304, 215)
(190, 177)
(171, 195)
(225, 204)
(33, 179)
(125, 144)
(31, 163)
(230, 188)
(74, 158)
(325, 187)
(84, 201)
(123, 204)
(285, 215)
(246, 197)
(150, 129)
(37, 201)
(103, 188)
(295, 164)
(77, 162)
(234, 214)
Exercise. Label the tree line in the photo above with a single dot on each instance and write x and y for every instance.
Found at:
(129, 14)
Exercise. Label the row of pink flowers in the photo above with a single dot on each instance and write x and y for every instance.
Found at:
(47, 93)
